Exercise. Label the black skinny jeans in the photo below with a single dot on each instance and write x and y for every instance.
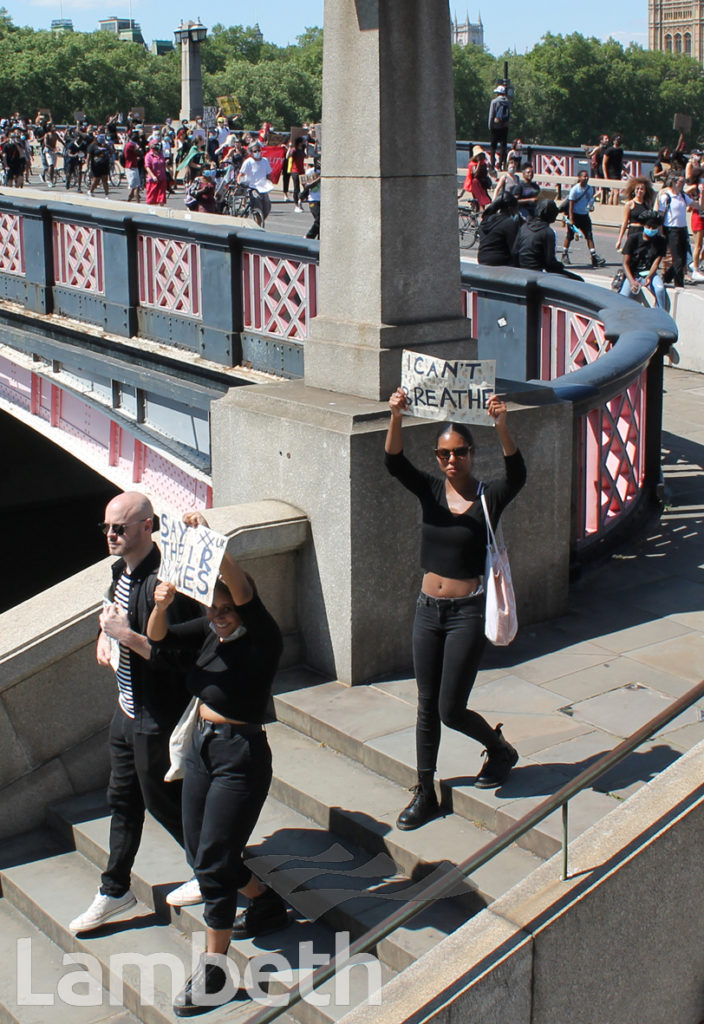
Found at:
(678, 241)
(227, 778)
(448, 643)
(138, 763)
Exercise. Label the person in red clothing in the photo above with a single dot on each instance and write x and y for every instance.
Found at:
(477, 181)
(133, 155)
(157, 178)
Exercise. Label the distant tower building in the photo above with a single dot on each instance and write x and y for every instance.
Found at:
(467, 34)
(677, 26)
(60, 25)
(125, 29)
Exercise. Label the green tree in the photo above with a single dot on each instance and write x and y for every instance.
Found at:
(475, 73)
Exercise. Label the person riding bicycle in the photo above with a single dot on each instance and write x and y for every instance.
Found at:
(256, 174)
(74, 155)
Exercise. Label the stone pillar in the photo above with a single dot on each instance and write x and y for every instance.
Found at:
(191, 79)
(389, 254)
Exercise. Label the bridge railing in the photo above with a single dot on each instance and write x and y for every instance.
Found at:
(601, 353)
(246, 297)
(564, 160)
(204, 284)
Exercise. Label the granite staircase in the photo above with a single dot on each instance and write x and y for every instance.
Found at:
(326, 841)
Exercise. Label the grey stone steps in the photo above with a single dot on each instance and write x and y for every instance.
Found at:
(326, 785)
(52, 891)
(332, 884)
(36, 987)
(160, 866)
(372, 726)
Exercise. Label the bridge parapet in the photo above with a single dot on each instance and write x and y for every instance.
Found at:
(216, 294)
(56, 701)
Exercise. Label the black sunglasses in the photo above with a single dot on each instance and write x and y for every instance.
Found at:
(119, 528)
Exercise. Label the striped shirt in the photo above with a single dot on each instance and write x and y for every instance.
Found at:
(124, 670)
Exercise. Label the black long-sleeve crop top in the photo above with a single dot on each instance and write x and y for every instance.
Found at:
(233, 677)
(453, 545)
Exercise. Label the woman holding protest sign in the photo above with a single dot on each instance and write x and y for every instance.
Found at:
(448, 631)
(234, 654)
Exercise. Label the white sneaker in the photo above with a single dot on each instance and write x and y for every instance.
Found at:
(697, 275)
(298, 209)
(102, 909)
(187, 895)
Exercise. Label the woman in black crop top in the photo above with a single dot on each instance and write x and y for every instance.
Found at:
(448, 631)
(234, 655)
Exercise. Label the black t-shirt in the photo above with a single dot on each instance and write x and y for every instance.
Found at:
(453, 545)
(614, 161)
(233, 677)
(15, 158)
(644, 251)
(526, 190)
(99, 156)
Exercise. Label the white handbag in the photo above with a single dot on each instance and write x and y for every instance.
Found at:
(180, 740)
(500, 620)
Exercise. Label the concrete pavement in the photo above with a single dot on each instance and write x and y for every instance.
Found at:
(571, 689)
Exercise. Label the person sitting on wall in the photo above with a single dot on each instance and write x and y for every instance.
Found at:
(643, 253)
(534, 248)
(497, 232)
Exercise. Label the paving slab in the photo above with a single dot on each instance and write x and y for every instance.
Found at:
(35, 983)
(683, 656)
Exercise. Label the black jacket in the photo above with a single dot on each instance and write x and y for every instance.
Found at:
(497, 233)
(158, 686)
(534, 248)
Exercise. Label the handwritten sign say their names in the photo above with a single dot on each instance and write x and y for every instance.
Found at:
(448, 389)
(190, 557)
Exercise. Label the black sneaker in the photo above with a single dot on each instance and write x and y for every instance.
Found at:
(566, 257)
(267, 913)
(422, 808)
(598, 261)
(498, 763)
(210, 985)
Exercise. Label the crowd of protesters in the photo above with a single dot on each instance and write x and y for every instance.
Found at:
(156, 160)
(654, 236)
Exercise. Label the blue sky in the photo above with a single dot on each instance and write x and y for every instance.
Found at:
(282, 20)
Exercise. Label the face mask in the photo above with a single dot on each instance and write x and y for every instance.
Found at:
(257, 154)
(650, 232)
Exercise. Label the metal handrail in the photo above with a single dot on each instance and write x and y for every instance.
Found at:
(442, 885)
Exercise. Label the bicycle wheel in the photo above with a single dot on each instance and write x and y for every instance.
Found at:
(467, 229)
(115, 174)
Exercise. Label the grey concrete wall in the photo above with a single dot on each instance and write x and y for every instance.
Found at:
(687, 312)
(620, 941)
(56, 701)
(360, 573)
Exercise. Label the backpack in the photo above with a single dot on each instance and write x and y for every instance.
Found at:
(502, 111)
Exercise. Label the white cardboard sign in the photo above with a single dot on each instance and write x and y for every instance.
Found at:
(448, 389)
(190, 557)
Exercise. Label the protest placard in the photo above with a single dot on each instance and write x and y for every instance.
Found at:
(190, 557)
(448, 389)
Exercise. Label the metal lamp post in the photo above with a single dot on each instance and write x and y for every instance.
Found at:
(190, 35)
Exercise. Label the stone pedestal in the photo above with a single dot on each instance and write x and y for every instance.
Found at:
(389, 254)
(358, 577)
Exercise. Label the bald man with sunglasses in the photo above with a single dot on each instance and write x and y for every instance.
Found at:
(151, 699)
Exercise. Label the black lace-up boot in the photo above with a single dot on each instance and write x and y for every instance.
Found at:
(500, 759)
(423, 807)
